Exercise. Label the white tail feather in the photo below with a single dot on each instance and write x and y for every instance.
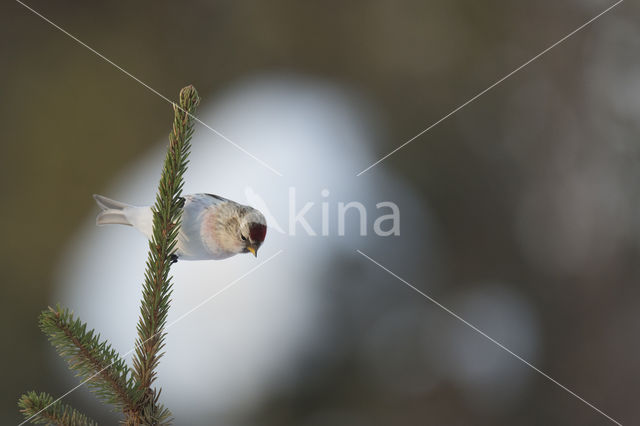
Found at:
(113, 211)
(109, 217)
(109, 204)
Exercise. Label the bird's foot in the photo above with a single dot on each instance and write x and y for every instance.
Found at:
(181, 202)
(173, 258)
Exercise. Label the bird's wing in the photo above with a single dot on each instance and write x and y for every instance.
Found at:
(217, 198)
(196, 206)
(204, 200)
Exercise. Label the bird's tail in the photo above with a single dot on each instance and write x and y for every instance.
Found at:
(112, 211)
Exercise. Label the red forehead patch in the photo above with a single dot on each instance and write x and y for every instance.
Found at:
(257, 232)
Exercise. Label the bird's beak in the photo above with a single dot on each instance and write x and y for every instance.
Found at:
(253, 250)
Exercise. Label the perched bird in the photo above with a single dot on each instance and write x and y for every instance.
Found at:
(212, 227)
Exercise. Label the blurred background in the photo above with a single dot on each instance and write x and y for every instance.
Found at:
(520, 212)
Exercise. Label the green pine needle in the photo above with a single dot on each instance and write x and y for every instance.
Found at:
(157, 287)
(96, 361)
(91, 359)
(44, 411)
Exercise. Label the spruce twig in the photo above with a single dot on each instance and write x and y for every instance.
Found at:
(108, 374)
(96, 361)
(157, 287)
(48, 412)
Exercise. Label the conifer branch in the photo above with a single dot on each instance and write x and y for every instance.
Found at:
(44, 411)
(157, 287)
(96, 361)
(92, 359)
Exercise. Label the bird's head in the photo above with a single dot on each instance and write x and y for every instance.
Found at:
(253, 230)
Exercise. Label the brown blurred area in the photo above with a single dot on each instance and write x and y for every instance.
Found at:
(534, 183)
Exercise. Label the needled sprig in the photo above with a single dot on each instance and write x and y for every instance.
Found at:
(157, 287)
(92, 359)
(44, 410)
(95, 360)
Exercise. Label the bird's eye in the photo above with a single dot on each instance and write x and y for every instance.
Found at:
(243, 237)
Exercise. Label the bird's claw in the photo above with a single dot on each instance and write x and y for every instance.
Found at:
(173, 258)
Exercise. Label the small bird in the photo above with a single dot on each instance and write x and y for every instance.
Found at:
(212, 227)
